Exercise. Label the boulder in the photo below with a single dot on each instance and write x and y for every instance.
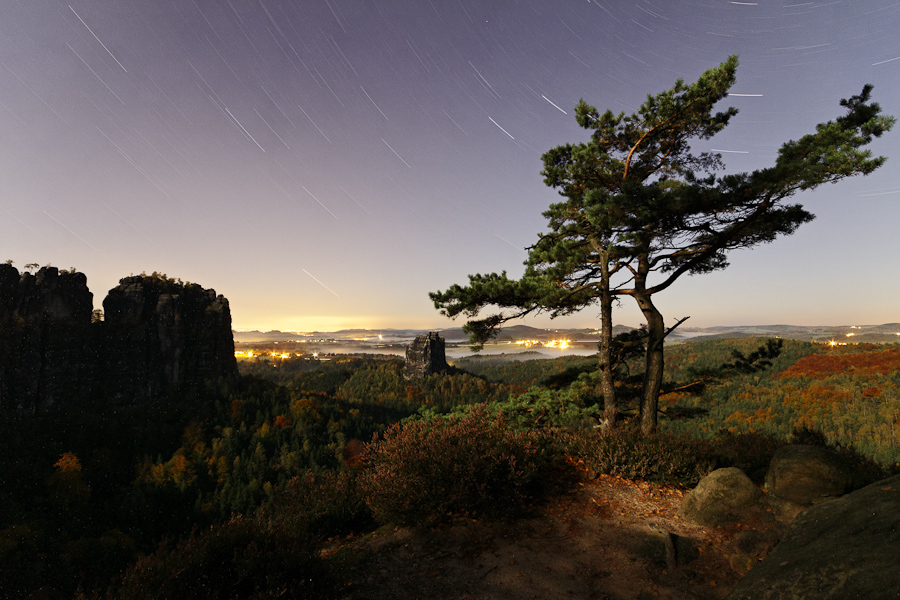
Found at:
(807, 474)
(720, 498)
(842, 548)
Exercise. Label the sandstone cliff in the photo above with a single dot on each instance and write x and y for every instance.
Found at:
(165, 335)
(47, 354)
(159, 336)
(425, 356)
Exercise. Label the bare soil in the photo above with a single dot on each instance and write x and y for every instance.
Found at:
(605, 539)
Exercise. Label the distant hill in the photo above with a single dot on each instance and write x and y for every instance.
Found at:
(451, 335)
(876, 334)
(888, 332)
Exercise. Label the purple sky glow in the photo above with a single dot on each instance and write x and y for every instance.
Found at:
(325, 164)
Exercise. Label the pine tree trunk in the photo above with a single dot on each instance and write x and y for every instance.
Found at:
(653, 375)
(607, 385)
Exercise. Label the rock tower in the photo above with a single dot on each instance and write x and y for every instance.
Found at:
(47, 350)
(425, 356)
(159, 336)
(166, 335)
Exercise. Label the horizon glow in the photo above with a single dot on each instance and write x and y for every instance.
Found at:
(325, 166)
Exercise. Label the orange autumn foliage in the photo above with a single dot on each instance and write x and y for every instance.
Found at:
(282, 421)
(823, 365)
(68, 463)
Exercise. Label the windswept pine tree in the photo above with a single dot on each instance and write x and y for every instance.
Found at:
(642, 208)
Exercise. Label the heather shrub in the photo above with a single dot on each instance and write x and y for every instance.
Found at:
(473, 464)
(245, 558)
(273, 554)
(661, 457)
(323, 504)
(808, 436)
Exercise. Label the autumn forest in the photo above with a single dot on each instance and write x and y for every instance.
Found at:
(136, 502)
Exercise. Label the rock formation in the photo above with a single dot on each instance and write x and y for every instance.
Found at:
(159, 336)
(721, 497)
(46, 349)
(166, 335)
(807, 474)
(425, 356)
(841, 548)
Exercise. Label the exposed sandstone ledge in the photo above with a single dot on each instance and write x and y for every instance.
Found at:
(841, 548)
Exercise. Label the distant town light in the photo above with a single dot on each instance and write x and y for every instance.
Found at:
(561, 344)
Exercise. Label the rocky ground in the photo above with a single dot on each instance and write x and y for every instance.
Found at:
(606, 539)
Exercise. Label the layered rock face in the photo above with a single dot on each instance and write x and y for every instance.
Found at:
(46, 348)
(159, 336)
(425, 355)
(164, 336)
(841, 548)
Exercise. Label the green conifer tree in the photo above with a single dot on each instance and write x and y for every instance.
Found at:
(639, 203)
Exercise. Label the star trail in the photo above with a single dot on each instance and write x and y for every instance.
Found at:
(392, 147)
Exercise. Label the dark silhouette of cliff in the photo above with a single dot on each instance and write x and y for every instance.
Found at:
(47, 351)
(164, 335)
(159, 336)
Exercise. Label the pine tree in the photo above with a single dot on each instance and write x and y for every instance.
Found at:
(640, 204)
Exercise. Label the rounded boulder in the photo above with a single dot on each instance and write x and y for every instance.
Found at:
(720, 498)
(807, 474)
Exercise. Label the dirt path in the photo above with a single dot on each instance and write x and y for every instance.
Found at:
(605, 540)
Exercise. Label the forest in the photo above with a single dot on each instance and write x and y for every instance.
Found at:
(253, 476)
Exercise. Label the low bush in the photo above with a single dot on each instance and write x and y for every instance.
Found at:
(473, 464)
(539, 407)
(662, 457)
(273, 554)
(323, 504)
(245, 558)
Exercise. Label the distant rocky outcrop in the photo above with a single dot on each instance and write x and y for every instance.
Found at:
(47, 353)
(425, 356)
(165, 335)
(159, 335)
(842, 548)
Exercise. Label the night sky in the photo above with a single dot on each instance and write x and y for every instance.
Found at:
(325, 164)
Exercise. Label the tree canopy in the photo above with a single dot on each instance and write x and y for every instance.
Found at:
(641, 203)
